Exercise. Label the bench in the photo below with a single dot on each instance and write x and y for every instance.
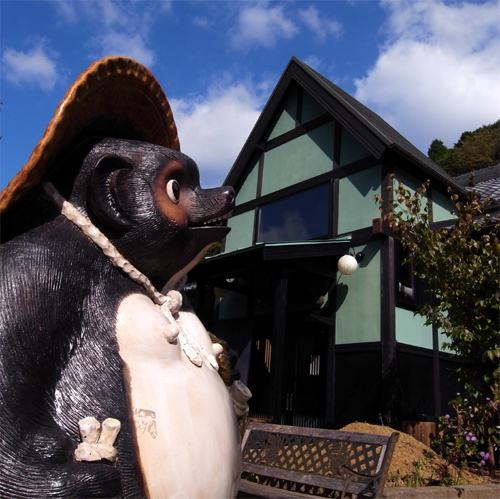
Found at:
(293, 462)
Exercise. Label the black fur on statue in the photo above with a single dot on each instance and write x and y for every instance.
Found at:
(58, 355)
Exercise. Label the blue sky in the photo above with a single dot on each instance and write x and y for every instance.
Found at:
(430, 68)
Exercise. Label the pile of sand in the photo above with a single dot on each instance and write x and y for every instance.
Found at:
(409, 451)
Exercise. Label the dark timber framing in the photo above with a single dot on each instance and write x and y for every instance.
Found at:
(387, 149)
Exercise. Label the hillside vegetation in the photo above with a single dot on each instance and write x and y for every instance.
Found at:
(473, 151)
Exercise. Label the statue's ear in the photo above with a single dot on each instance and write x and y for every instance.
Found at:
(102, 196)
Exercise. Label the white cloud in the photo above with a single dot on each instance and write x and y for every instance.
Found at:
(202, 22)
(439, 72)
(113, 13)
(37, 67)
(116, 43)
(121, 28)
(313, 61)
(321, 27)
(262, 26)
(293, 228)
(213, 128)
(66, 9)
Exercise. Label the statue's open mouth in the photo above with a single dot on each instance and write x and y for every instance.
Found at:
(209, 207)
(213, 222)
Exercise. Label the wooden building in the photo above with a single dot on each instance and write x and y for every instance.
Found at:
(318, 348)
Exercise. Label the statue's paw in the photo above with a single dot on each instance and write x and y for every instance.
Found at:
(240, 394)
(97, 440)
(86, 452)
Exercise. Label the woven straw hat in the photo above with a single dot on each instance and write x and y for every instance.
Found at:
(115, 97)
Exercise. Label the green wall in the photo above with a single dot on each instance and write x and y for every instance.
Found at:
(241, 231)
(310, 108)
(247, 190)
(411, 329)
(357, 208)
(286, 120)
(358, 300)
(300, 159)
(350, 149)
(441, 207)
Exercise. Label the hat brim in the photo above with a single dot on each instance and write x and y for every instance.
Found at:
(115, 97)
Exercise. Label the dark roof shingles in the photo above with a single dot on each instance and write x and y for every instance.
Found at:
(379, 126)
(486, 181)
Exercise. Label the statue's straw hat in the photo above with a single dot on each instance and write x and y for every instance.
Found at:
(115, 97)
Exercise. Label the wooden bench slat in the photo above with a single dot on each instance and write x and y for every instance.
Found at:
(326, 482)
(345, 436)
(257, 490)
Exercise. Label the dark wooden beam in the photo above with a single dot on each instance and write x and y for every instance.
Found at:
(388, 289)
(388, 305)
(336, 173)
(278, 347)
(436, 371)
(298, 131)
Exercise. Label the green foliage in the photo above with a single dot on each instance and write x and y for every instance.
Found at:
(460, 265)
(415, 478)
(465, 436)
(449, 481)
(473, 151)
(437, 150)
(215, 249)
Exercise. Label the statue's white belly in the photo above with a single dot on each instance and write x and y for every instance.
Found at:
(186, 429)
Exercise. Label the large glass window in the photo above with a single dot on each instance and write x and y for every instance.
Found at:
(299, 217)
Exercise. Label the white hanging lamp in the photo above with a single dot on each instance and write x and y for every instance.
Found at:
(348, 264)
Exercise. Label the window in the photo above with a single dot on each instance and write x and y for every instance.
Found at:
(299, 217)
(410, 289)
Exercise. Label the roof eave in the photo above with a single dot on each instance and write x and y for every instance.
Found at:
(435, 174)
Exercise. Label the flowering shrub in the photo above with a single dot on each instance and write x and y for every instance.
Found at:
(463, 437)
(460, 265)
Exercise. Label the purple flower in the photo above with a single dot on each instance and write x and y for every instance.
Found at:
(482, 453)
(466, 400)
(482, 463)
(471, 415)
(467, 438)
(447, 416)
(473, 439)
(488, 399)
(449, 426)
(458, 393)
(486, 456)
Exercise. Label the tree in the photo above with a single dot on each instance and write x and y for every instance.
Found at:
(473, 151)
(437, 150)
(460, 265)
(477, 150)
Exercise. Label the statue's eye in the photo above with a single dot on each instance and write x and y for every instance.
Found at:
(173, 191)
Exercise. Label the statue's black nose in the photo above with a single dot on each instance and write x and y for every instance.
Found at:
(229, 193)
(210, 204)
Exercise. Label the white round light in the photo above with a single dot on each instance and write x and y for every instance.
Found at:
(347, 264)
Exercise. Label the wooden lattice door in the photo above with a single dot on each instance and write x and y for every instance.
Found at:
(305, 385)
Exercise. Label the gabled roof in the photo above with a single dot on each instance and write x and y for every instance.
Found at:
(374, 133)
(486, 180)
